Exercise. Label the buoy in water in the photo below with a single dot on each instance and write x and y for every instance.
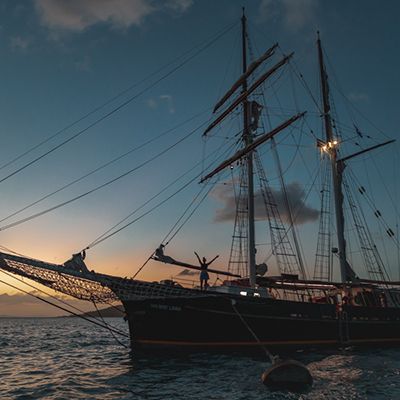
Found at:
(287, 374)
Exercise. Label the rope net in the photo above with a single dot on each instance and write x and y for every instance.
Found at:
(90, 286)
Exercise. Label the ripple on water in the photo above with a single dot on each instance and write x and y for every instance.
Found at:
(66, 358)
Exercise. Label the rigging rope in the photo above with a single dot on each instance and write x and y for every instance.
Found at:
(151, 255)
(299, 250)
(13, 252)
(300, 76)
(118, 108)
(102, 185)
(104, 236)
(63, 309)
(54, 297)
(191, 213)
(179, 228)
(108, 163)
(109, 101)
(266, 351)
(299, 210)
(152, 198)
(377, 213)
(182, 216)
(336, 83)
(144, 214)
(108, 326)
(289, 210)
(370, 203)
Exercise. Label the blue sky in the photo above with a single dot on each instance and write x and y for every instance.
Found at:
(62, 59)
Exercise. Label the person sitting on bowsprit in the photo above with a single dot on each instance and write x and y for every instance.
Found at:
(204, 277)
(76, 262)
(160, 256)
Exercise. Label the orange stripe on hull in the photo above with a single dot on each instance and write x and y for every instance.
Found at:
(253, 344)
(227, 344)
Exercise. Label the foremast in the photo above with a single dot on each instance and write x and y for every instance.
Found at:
(248, 140)
(337, 166)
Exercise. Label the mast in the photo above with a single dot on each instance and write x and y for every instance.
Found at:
(330, 147)
(248, 139)
(250, 143)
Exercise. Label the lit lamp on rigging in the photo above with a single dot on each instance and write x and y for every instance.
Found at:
(327, 146)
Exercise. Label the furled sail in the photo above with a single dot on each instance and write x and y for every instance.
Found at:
(250, 90)
(252, 146)
(252, 67)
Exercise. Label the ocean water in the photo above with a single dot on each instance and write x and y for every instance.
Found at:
(68, 358)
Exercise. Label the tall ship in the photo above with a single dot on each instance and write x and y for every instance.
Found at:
(278, 302)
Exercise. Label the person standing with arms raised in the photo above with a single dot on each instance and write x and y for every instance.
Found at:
(204, 277)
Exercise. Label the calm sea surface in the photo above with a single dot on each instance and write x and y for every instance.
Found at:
(61, 358)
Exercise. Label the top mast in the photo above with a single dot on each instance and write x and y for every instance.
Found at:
(347, 274)
(248, 139)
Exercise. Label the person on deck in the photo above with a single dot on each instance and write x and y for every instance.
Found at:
(204, 277)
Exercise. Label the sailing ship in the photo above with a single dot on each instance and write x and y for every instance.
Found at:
(251, 308)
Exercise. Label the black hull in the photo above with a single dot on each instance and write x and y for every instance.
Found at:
(211, 322)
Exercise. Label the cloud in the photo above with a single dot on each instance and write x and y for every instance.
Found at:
(22, 305)
(268, 10)
(153, 103)
(78, 15)
(358, 97)
(19, 43)
(14, 299)
(179, 5)
(84, 64)
(187, 272)
(170, 102)
(302, 213)
(295, 14)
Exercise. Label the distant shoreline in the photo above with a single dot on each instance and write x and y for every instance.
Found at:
(110, 312)
(57, 316)
(34, 316)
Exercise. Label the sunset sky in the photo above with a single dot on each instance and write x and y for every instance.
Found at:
(62, 60)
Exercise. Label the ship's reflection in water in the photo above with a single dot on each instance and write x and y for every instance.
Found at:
(69, 358)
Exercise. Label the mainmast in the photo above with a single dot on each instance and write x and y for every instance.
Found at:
(330, 147)
(248, 140)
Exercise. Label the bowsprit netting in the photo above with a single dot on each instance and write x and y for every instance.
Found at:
(89, 286)
(59, 278)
